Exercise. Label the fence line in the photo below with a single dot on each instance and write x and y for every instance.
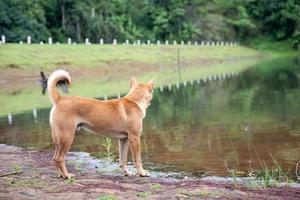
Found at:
(135, 42)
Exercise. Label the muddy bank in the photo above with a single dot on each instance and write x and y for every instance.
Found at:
(31, 175)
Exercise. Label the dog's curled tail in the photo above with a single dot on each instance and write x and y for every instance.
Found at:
(52, 81)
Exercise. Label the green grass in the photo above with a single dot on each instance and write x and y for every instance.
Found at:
(31, 57)
(267, 44)
(71, 181)
(199, 193)
(107, 197)
(117, 64)
(156, 186)
(143, 194)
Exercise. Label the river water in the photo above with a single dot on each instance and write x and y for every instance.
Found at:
(240, 120)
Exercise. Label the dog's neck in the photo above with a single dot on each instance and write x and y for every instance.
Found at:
(142, 105)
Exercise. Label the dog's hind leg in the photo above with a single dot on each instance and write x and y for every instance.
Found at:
(123, 151)
(56, 150)
(55, 156)
(64, 147)
(64, 140)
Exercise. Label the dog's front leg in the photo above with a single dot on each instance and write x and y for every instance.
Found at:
(134, 140)
(123, 151)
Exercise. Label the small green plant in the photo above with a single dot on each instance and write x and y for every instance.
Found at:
(143, 194)
(296, 171)
(11, 182)
(17, 168)
(232, 173)
(267, 176)
(208, 193)
(156, 186)
(107, 197)
(202, 193)
(280, 174)
(250, 183)
(70, 181)
(108, 144)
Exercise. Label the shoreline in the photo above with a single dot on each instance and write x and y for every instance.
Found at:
(37, 179)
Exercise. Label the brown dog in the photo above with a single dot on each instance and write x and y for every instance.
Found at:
(118, 118)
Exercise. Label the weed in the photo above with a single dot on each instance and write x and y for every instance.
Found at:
(232, 172)
(143, 194)
(199, 193)
(107, 197)
(156, 186)
(208, 193)
(107, 144)
(17, 168)
(70, 181)
(279, 174)
(11, 182)
(296, 171)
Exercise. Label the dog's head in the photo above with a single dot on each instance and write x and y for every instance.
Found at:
(141, 92)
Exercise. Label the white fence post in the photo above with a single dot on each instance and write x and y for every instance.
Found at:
(167, 42)
(34, 112)
(196, 43)
(182, 42)
(158, 42)
(148, 42)
(69, 41)
(86, 41)
(161, 88)
(127, 42)
(115, 42)
(101, 41)
(3, 40)
(50, 40)
(189, 42)
(10, 119)
(174, 42)
(28, 39)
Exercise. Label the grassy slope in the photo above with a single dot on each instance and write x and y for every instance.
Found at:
(196, 61)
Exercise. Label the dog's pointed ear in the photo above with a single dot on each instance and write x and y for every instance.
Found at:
(132, 81)
(150, 85)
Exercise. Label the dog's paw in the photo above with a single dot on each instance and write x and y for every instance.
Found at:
(128, 173)
(69, 176)
(144, 173)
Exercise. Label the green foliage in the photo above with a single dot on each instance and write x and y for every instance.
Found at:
(71, 181)
(17, 168)
(107, 197)
(156, 186)
(107, 144)
(154, 20)
(143, 194)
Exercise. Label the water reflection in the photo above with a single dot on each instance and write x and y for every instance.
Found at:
(197, 126)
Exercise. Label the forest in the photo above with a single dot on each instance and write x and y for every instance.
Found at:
(214, 20)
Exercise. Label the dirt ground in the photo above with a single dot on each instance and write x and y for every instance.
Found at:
(28, 174)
